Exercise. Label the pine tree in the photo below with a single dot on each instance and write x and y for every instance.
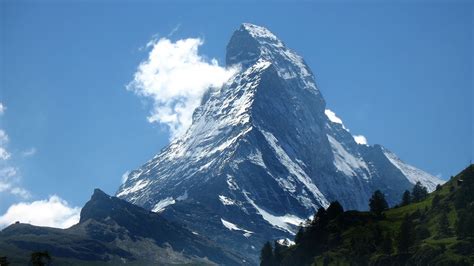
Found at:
(334, 210)
(466, 223)
(443, 225)
(320, 218)
(387, 244)
(406, 198)
(278, 253)
(377, 203)
(435, 201)
(40, 258)
(299, 235)
(4, 261)
(419, 192)
(405, 236)
(266, 255)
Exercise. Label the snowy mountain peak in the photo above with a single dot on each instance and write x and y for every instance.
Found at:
(251, 43)
(263, 153)
(261, 34)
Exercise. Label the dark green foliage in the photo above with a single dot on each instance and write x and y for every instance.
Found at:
(386, 245)
(377, 203)
(320, 218)
(438, 187)
(443, 226)
(40, 258)
(266, 255)
(406, 198)
(405, 236)
(464, 203)
(422, 233)
(334, 210)
(299, 235)
(435, 201)
(419, 192)
(4, 261)
(465, 225)
(278, 253)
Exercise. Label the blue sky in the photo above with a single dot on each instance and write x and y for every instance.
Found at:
(399, 73)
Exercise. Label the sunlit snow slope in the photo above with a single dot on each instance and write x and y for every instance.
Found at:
(263, 153)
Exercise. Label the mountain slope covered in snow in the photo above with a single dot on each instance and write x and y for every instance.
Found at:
(263, 153)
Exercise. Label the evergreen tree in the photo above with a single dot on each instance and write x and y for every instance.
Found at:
(4, 261)
(320, 218)
(40, 258)
(278, 253)
(334, 210)
(387, 244)
(405, 236)
(419, 192)
(465, 223)
(443, 225)
(377, 203)
(299, 235)
(435, 201)
(266, 255)
(406, 198)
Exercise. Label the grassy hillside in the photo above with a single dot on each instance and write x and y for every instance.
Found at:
(438, 230)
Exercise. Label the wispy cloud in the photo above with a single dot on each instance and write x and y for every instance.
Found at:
(29, 152)
(174, 30)
(9, 182)
(9, 175)
(2, 108)
(125, 176)
(4, 154)
(53, 212)
(175, 77)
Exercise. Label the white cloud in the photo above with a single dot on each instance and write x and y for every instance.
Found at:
(175, 77)
(9, 180)
(125, 176)
(360, 139)
(4, 154)
(3, 137)
(53, 212)
(29, 152)
(9, 177)
(334, 118)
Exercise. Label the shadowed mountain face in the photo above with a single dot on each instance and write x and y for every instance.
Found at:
(113, 231)
(263, 153)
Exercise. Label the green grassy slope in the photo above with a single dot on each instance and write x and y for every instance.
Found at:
(362, 238)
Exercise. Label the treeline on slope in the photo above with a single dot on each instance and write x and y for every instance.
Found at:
(424, 229)
(37, 258)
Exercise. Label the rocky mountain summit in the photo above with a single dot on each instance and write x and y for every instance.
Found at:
(263, 153)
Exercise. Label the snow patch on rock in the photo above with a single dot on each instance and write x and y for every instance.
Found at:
(233, 227)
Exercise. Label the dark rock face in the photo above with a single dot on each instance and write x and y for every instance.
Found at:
(263, 153)
(114, 231)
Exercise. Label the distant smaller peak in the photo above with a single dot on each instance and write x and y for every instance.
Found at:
(98, 193)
